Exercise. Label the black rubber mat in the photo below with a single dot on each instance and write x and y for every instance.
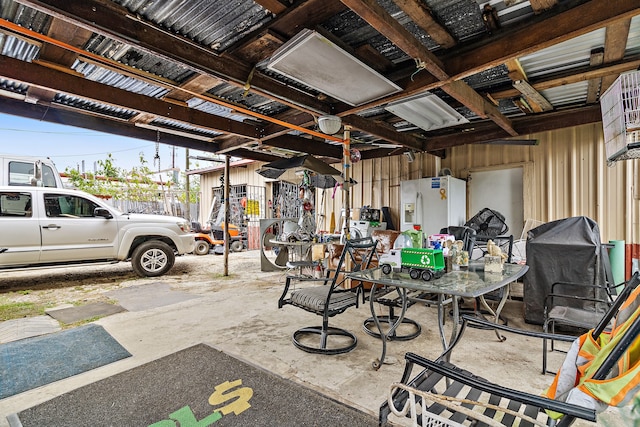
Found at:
(196, 386)
(84, 312)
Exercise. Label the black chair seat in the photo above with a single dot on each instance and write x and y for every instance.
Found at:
(575, 317)
(314, 299)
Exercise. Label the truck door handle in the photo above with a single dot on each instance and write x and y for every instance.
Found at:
(52, 226)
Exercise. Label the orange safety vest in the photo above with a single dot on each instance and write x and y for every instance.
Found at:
(623, 382)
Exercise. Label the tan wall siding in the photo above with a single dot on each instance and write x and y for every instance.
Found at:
(565, 175)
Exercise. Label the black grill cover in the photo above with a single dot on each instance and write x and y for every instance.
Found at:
(565, 250)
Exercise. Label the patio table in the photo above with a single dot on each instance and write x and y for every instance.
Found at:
(472, 282)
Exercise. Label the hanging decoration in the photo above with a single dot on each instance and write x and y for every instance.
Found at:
(355, 155)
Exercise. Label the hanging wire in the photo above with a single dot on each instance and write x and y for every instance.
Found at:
(420, 65)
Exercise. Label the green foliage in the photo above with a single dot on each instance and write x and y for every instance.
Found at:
(112, 181)
(194, 188)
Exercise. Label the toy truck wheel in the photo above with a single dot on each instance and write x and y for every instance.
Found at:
(202, 247)
(386, 268)
(414, 274)
(427, 275)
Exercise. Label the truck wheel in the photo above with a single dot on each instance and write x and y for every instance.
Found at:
(152, 258)
(236, 246)
(426, 275)
(386, 268)
(202, 247)
(414, 274)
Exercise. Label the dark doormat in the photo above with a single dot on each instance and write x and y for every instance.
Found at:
(33, 362)
(84, 312)
(145, 297)
(198, 386)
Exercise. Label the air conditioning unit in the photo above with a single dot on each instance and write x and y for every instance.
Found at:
(620, 106)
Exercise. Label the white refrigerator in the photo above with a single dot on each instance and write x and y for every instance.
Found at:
(433, 203)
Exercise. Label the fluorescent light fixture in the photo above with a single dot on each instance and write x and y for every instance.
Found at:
(426, 111)
(314, 61)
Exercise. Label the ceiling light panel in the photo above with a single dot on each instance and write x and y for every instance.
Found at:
(314, 61)
(426, 111)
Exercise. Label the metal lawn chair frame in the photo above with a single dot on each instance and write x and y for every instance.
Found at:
(327, 298)
(442, 394)
(558, 313)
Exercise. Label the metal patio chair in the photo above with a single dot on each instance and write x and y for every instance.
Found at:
(327, 298)
(442, 394)
(560, 305)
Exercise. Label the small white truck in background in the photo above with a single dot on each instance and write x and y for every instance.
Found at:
(28, 170)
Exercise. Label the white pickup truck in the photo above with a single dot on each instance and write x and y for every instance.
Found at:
(43, 227)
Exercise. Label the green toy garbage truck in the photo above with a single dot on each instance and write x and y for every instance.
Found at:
(420, 263)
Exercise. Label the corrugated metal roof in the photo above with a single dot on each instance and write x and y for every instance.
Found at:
(211, 108)
(563, 56)
(633, 42)
(94, 107)
(18, 48)
(217, 24)
(13, 86)
(220, 24)
(129, 55)
(120, 81)
(567, 94)
(172, 124)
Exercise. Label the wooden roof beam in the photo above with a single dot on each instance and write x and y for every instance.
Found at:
(385, 24)
(596, 58)
(614, 47)
(52, 114)
(574, 76)
(423, 18)
(525, 125)
(37, 75)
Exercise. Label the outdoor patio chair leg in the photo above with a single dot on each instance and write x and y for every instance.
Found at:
(369, 327)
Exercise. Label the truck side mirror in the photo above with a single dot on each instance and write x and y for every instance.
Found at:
(102, 212)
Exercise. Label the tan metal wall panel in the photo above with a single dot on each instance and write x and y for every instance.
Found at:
(565, 175)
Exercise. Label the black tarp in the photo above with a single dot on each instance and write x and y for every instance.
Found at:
(566, 250)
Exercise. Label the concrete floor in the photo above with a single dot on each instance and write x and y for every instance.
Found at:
(241, 318)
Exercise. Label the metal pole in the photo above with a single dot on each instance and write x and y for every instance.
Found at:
(346, 154)
(226, 215)
(186, 185)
